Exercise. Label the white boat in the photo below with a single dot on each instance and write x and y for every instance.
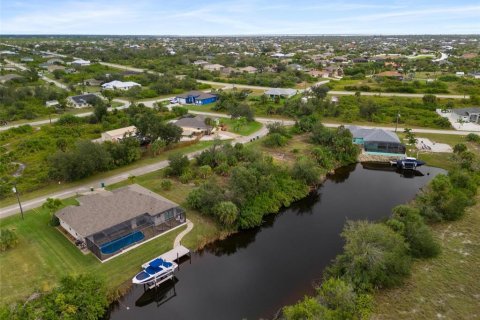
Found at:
(155, 272)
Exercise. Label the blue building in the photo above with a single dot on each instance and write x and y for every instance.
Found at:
(196, 97)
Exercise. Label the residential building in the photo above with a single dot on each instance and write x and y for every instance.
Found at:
(194, 125)
(26, 59)
(109, 222)
(52, 103)
(9, 77)
(377, 141)
(196, 97)
(118, 134)
(390, 74)
(279, 92)
(249, 69)
(81, 63)
(82, 101)
(120, 85)
(92, 82)
(471, 115)
(213, 67)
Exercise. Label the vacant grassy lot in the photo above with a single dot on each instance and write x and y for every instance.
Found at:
(446, 287)
(245, 130)
(146, 160)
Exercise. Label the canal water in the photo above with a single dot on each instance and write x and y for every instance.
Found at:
(253, 273)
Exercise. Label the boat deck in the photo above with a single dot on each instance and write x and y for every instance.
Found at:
(176, 253)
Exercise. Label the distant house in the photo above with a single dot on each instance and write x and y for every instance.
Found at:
(81, 63)
(52, 103)
(9, 77)
(196, 97)
(377, 141)
(228, 71)
(55, 61)
(471, 115)
(118, 134)
(53, 67)
(460, 73)
(213, 67)
(249, 69)
(82, 101)
(92, 82)
(193, 125)
(318, 74)
(26, 59)
(334, 71)
(109, 222)
(120, 85)
(200, 62)
(390, 74)
(360, 60)
(279, 92)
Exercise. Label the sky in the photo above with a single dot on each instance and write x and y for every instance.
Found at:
(239, 17)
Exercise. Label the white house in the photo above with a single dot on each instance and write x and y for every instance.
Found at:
(120, 85)
(52, 103)
(118, 134)
(470, 115)
(81, 63)
(459, 73)
(279, 92)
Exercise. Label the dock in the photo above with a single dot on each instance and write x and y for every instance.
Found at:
(176, 253)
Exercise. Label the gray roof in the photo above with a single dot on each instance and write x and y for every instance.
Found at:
(10, 76)
(379, 135)
(198, 95)
(280, 92)
(193, 122)
(466, 111)
(103, 210)
(84, 98)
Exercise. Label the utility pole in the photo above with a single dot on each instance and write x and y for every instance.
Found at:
(396, 123)
(14, 189)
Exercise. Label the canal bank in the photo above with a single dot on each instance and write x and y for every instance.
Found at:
(255, 272)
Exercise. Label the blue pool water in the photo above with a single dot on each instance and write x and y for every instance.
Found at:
(125, 241)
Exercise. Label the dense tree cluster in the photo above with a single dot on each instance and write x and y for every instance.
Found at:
(76, 298)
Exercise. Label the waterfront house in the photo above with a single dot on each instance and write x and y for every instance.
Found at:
(196, 97)
(108, 222)
(377, 141)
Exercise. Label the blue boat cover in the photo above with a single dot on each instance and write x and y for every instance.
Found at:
(153, 270)
(156, 263)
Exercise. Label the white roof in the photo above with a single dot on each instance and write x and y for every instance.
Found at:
(120, 84)
(281, 92)
(81, 61)
(121, 131)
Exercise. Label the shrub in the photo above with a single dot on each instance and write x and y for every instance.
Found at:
(306, 170)
(472, 137)
(8, 239)
(178, 164)
(459, 148)
(226, 212)
(186, 176)
(408, 222)
(374, 256)
(308, 308)
(275, 140)
(166, 184)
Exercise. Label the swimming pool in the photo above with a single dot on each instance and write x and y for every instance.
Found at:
(120, 243)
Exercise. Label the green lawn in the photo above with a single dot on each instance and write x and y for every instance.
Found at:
(44, 255)
(248, 129)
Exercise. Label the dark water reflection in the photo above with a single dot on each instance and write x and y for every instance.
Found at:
(254, 273)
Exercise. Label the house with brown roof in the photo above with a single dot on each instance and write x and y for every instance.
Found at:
(390, 74)
(109, 222)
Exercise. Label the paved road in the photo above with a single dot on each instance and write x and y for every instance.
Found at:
(34, 203)
(394, 94)
(46, 79)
